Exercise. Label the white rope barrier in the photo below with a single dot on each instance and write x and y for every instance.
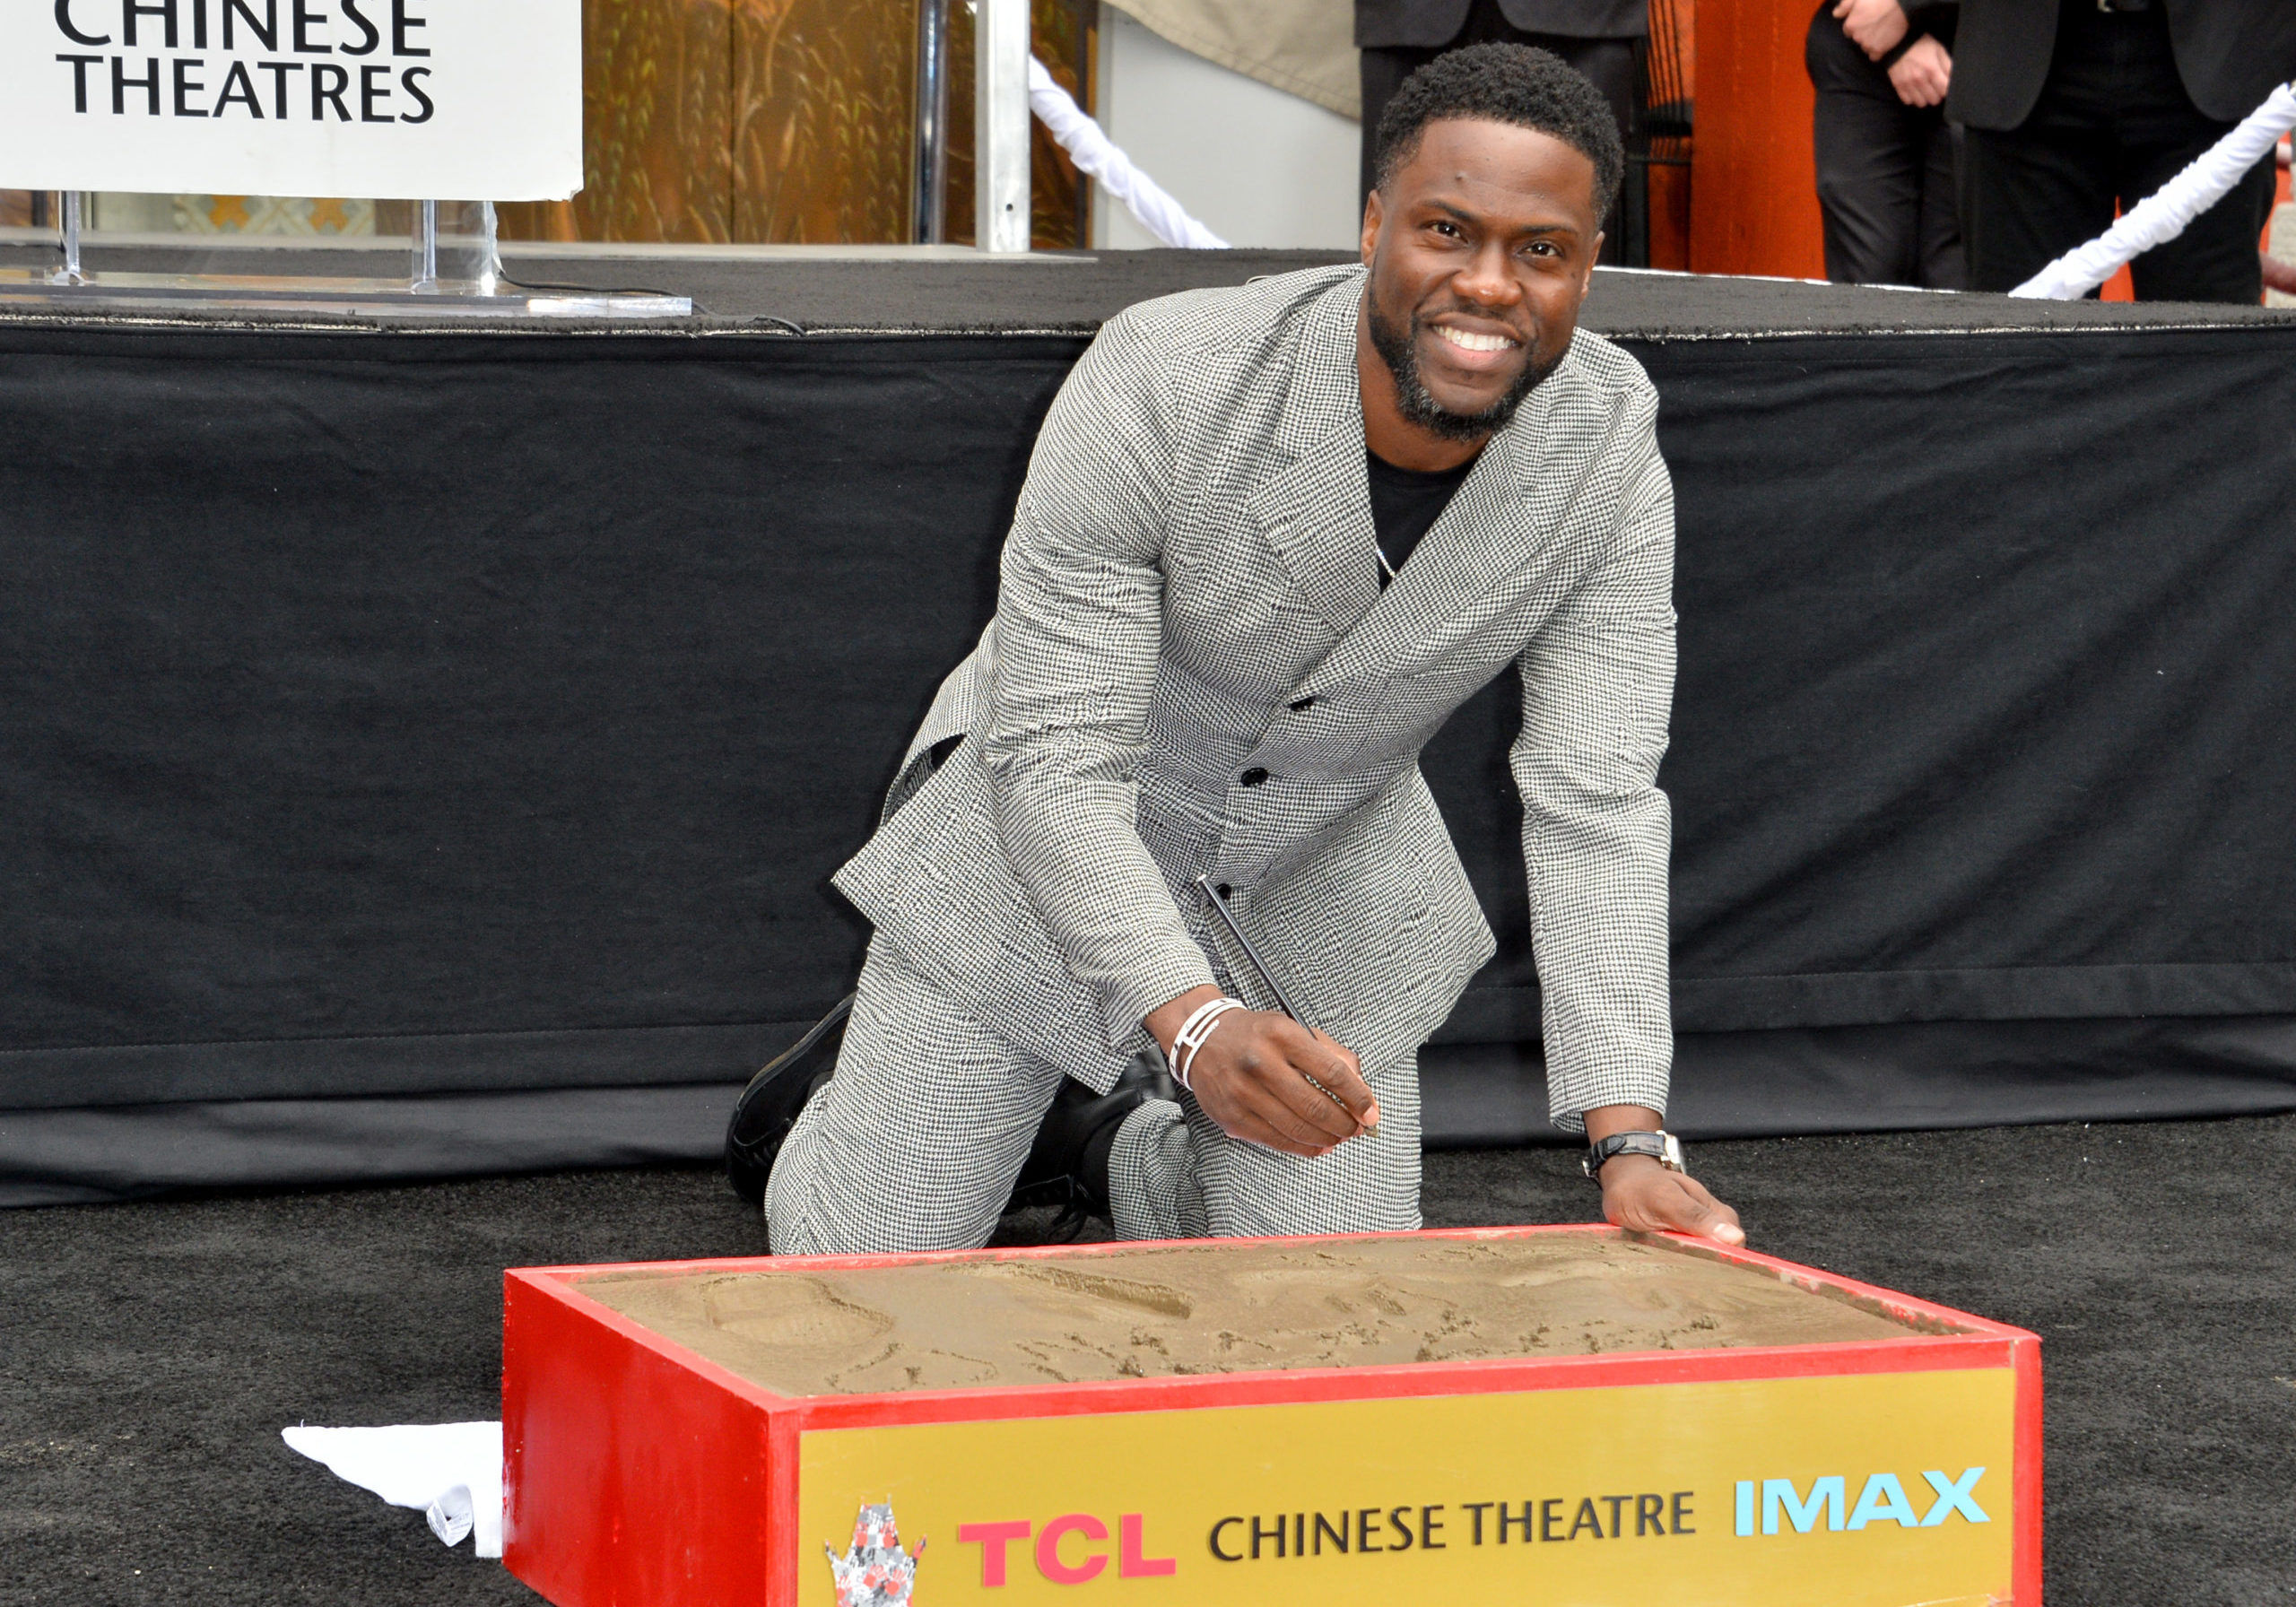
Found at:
(1093, 153)
(2163, 215)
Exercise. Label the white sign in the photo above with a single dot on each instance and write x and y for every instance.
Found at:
(473, 100)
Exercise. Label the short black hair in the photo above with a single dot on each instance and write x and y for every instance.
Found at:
(1519, 84)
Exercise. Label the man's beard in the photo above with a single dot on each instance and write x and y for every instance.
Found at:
(1398, 348)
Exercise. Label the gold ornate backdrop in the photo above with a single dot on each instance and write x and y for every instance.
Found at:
(785, 121)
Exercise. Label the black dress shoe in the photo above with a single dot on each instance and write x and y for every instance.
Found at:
(769, 1106)
(1068, 1164)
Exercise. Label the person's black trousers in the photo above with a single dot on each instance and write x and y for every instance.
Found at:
(1886, 171)
(1608, 63)
(2112, 125)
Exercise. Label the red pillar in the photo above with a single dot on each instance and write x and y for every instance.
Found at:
(1753, 185)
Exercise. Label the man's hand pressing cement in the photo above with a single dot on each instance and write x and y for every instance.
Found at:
(1252, 1077)
(1639, 1194)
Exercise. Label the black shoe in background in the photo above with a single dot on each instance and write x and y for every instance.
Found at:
(1068, 1165)
(769, 1106)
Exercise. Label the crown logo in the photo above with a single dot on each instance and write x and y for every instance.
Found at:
(874, 1571)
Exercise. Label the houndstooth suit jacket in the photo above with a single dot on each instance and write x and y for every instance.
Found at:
(1193, 671)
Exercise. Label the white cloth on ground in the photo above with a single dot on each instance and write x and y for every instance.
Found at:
(451, 1472)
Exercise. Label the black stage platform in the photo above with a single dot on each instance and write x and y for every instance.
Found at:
(426, 745)
(952, 291)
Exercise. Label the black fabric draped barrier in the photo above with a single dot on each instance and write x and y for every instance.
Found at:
(416, 724)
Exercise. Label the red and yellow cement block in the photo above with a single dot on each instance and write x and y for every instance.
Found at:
(1870, 1473)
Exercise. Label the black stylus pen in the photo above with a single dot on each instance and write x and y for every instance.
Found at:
(1228, 920)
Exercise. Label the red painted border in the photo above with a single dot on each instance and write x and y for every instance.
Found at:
(624, 1485)
(2026, 1491)
(611, 1383)
(1404, 1381)
(781, 1514)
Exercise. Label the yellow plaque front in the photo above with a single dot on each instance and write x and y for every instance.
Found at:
(1874, 1490)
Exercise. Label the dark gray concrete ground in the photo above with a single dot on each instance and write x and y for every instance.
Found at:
(150, 1354)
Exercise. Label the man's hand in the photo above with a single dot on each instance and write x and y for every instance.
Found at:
(1640, 1195)
(1637, 1193)
(1923, 74)
(1874, 26)
(1251, 1077)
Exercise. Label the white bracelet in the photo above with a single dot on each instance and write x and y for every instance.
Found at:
(1213, 1016)
(1195, 1020)
(1184, 1039)
(1192, 1034)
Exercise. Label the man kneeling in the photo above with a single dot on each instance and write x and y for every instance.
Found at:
(1270, 539)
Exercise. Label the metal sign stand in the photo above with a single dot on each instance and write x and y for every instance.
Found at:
(453, 250)
(70, 273)
(455, 270)
(929, 204)
(1001, 125)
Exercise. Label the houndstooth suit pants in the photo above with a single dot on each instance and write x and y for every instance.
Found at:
(915, 1144)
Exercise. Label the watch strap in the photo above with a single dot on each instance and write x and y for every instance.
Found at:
(1660, 1146)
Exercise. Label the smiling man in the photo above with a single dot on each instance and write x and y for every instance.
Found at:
(1270, 539)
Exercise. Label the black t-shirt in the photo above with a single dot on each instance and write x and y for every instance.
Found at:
(1406, 503)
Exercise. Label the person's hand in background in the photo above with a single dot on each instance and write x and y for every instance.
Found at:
(1874, 26)
(1923, 74)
